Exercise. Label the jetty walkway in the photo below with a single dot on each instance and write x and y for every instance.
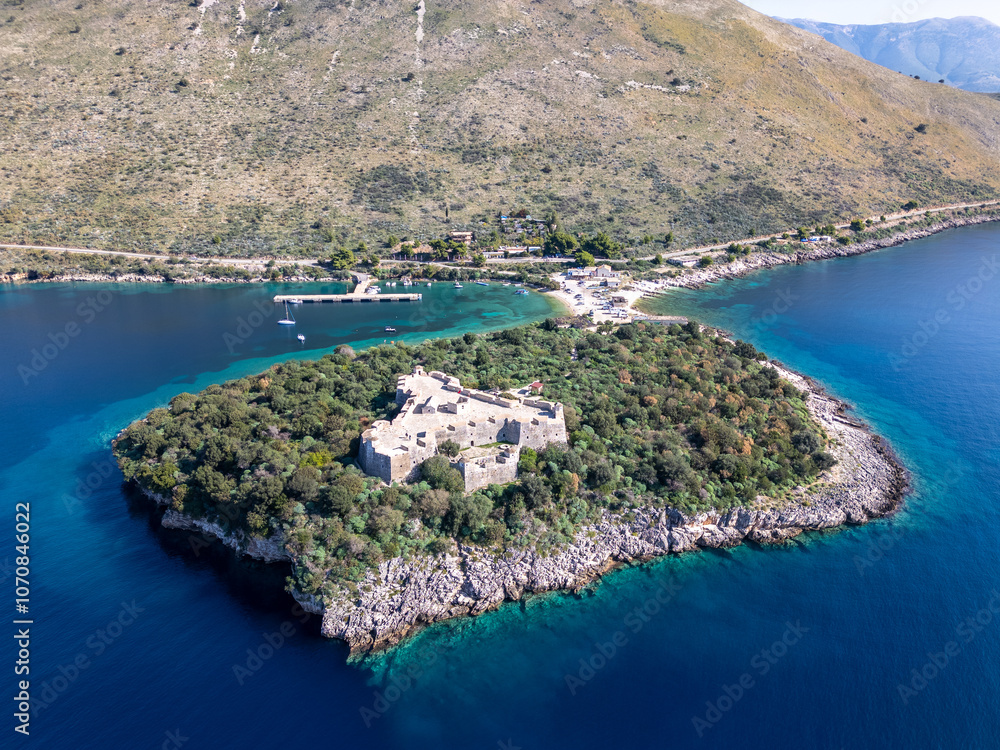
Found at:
(359, 294)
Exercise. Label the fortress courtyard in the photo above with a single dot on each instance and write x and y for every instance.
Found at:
(489, 429)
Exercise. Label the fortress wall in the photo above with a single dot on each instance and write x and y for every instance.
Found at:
(420, 454)
(502, 425)
(511, 432)
(398, 467)
(495, 401)
(403, 468)
(494, 472)
(375, 463)
(483, 432)
(402, 391)
(365, 453)
(458, 432)
(545, 432)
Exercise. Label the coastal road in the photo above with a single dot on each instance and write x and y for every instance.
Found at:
(889, 219)
(492, 261)
(165, 258)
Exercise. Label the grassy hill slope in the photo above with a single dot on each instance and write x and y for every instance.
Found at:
(240, 127)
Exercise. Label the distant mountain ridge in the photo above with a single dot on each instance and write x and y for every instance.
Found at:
(963, 51)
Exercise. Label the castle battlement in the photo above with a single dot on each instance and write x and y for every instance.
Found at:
(490, 430)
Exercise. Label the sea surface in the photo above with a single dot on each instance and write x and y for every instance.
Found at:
(881, 636)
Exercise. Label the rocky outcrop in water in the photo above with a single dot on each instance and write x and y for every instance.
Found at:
(271, 549)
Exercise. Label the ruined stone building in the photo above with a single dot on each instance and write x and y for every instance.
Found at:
(436, 408)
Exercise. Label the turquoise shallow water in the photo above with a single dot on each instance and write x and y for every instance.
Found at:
(79, 362)
(805, 645)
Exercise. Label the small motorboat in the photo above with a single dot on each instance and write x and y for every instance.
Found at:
(428, 283)
(521, 291)
(390, 329)
(482, 283)
(457, 285)
(301, 338)
(295, 301)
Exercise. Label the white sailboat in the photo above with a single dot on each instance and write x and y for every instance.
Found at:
(288, 320)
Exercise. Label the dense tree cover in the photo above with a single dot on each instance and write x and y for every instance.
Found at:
(560, 243)
(656, 417)
(602, 246)
(342, 259)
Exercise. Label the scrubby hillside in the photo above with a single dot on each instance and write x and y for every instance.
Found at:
(237, 127)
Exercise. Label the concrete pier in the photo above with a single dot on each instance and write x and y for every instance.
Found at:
(359, 294)
(349, 297)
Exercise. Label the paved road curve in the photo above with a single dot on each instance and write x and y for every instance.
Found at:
(492, 261)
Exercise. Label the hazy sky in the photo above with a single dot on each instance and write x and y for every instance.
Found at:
(877, 11)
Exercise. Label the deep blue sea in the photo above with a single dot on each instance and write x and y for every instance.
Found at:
(874, 637)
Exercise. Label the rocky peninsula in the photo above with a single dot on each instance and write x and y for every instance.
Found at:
(401, 595)
(867, 483)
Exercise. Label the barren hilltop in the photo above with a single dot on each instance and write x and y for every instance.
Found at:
(235, 127)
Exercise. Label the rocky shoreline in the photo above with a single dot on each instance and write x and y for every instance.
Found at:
(868, 482)
(401, 596)
(736, 269)
(135, 278)
(760, 260)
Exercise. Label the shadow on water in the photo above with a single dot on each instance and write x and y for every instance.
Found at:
(254, 584)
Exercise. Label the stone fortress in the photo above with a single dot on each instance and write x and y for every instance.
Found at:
(490, 430)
